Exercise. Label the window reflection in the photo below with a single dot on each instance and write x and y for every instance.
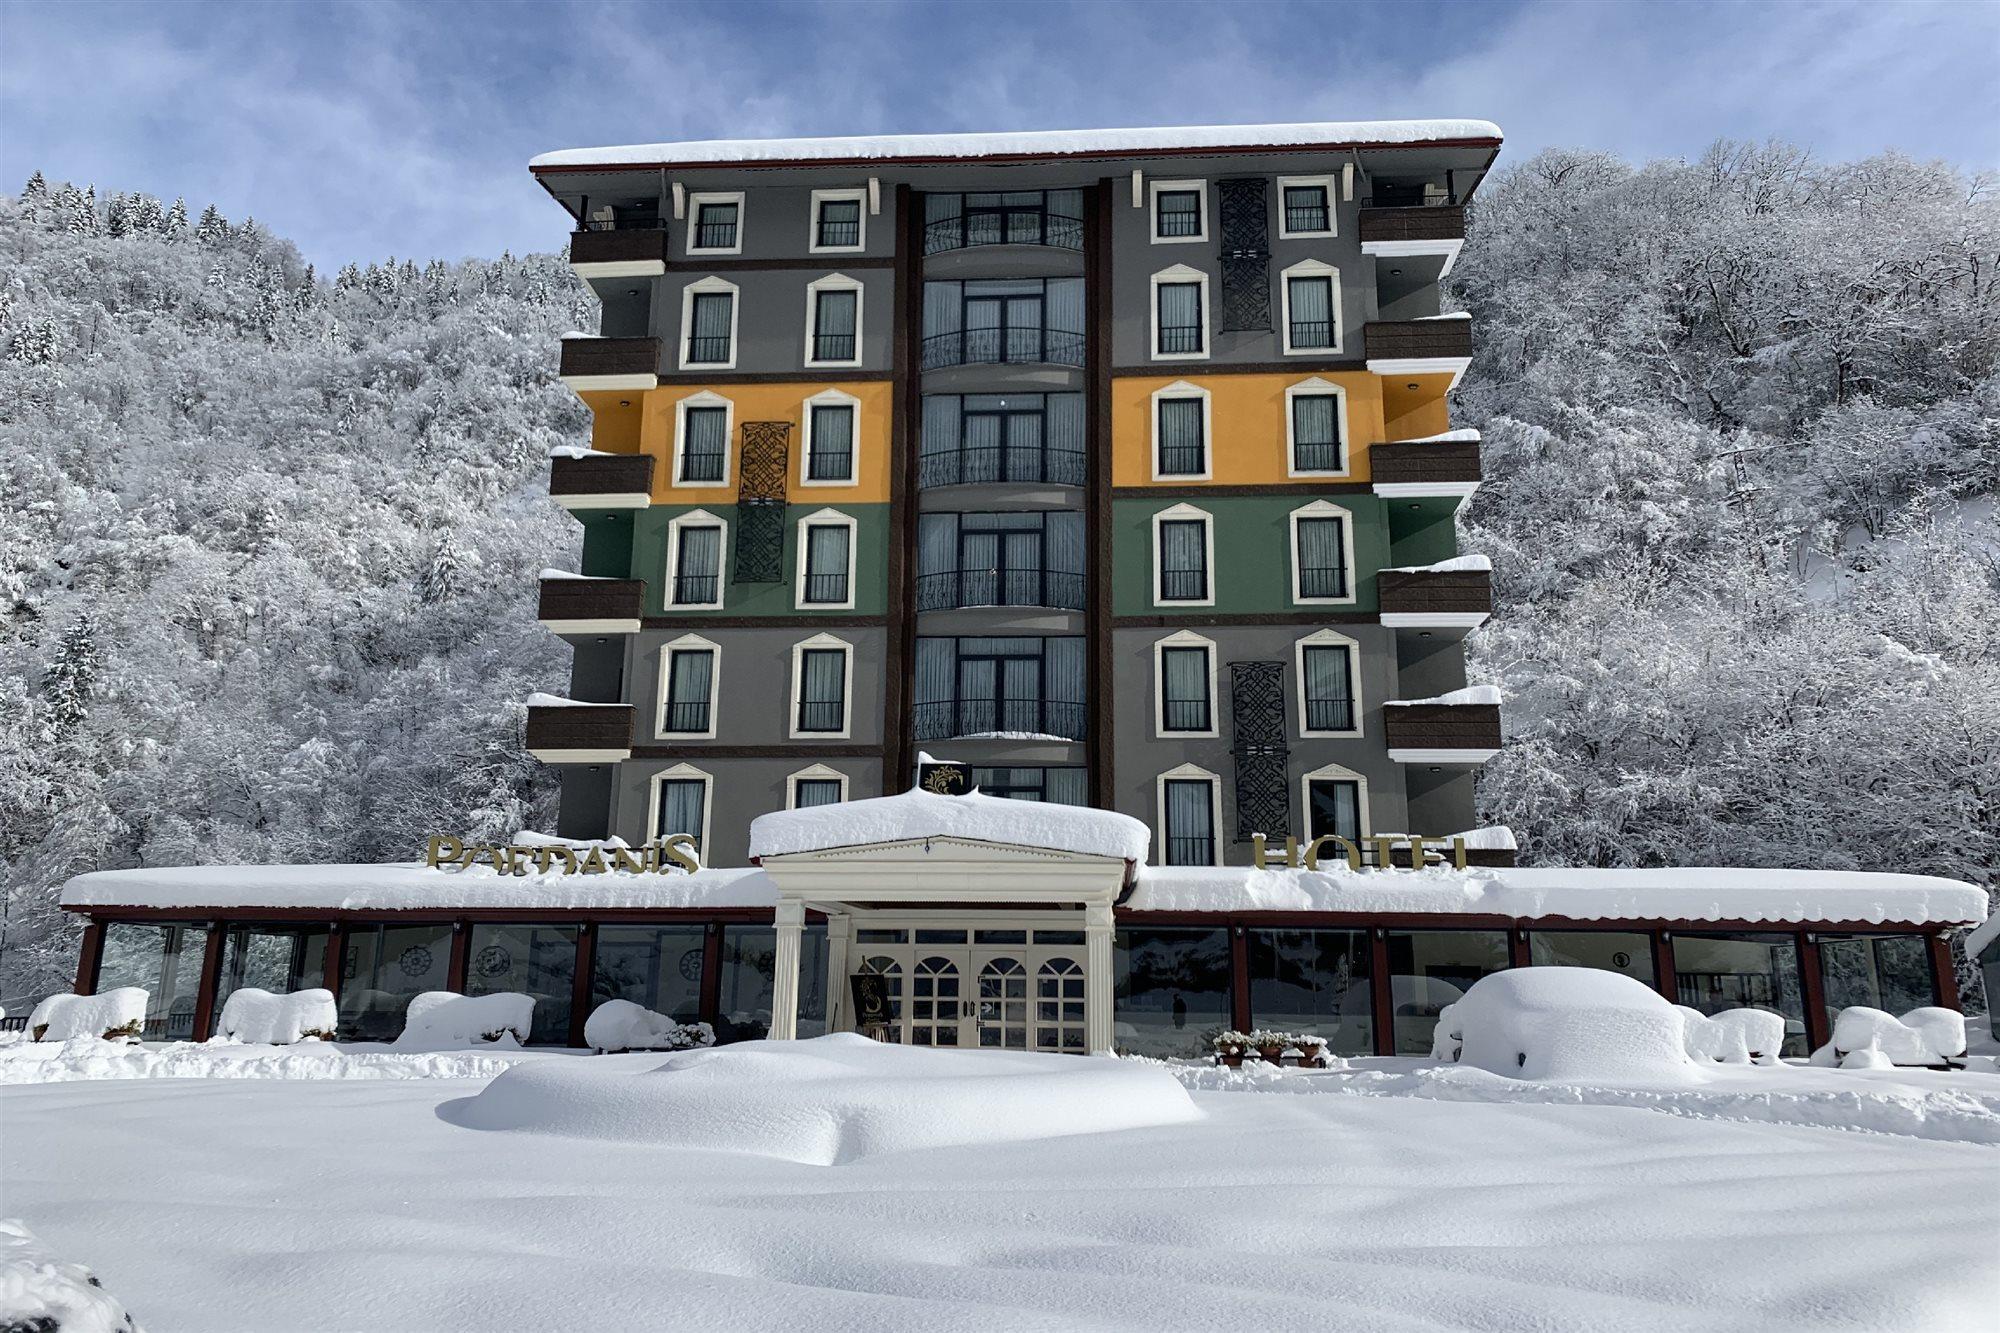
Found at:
(533, 960)
(1752, 971)
(1170, 989)
(1314, 982)
(1429, 969)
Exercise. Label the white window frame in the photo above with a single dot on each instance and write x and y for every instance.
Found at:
(1311, 268)
(1200, 188)
(1185, 772)
(819, 197)
(834, 282)
(677, 772)
(696, 518)
(798, 689)
(1183, 389)
(1183, 639)
(687, 643)
(709, 285)
(1327, 638)
(1332, 207)
(831, 398)
(1317, 387)
(693, 229)
(1179, 273)
(825, 518)
(705, 398)
(1322, 509)
(817, 773)
(1184, 513)
(1333, 773)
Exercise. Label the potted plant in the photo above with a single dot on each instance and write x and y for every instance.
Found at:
(1312, 1051)
(1271, 1045)
(1229, 1048)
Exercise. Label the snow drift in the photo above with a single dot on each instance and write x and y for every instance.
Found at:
(113, 1013)
(620, 1025)
(1734, 1036)
(40, 1293)
(1925, 1036)
(272, 1019)
(829, 1099)
(440, 1020)
(1563, 1024)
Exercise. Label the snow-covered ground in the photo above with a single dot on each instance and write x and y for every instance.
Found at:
(1396, 1194)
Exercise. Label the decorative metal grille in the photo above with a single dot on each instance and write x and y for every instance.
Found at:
(1257, 715)
(760, 502)
(1246, 255)
(766, 445)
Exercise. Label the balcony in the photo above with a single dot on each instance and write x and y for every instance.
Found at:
(1425, 228)
(976, 465)
(576, 605)
(1419, 346)
(1011, 226)
(602, 481)
(1434, 599)
(574, 733)
(625, 252)
(611, 363)
(1428, 732)
(1445, 467)
(954, 589)
(1023, 346)
(1010, 719)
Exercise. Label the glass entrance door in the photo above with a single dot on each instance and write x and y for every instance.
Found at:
(999, 988)
(1001, 1007)
(937, 999)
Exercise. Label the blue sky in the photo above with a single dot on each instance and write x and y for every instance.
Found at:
(367, 129)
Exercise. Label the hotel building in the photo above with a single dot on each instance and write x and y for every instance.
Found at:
(1115, 467)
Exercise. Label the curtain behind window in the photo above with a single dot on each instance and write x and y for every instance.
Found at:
(1320, 549)
(1336, 809)
(1184, 674)
(832, 443)
(836, 314)
(711, 314)
(681, 806)
(823, 675)
(826, 552)
(1312, 303)
(1314, 420)
(1180, 305)
(1181, 445)
(689, 675)
(1190, 830)
(1329, 686)
(701, 552)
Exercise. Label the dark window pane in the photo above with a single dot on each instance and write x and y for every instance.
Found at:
(1179, 317)
(656, 967)
(166, 962)
(1887, 972)
(816, 791)
(1305, 208)
(715, 227)
(1761, 971)
(706, 444)
(1316, 445)
(831, 457)
(533, 960)
(1311, 301)
(277, 959)
(384, 968)
(1184, 689)
(1314, 982)
(749, 973)
(1628, 952)
(1190, 822)
(1177, 213)
(1170, 990)
(839, 222)
(1335, 808)
(1429, 969)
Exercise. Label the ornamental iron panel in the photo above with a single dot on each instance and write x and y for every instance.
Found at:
(1257, 715)
(765, 447)
(1246, 255)
(760, 542)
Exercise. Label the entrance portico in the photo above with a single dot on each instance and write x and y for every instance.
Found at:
(982, 944)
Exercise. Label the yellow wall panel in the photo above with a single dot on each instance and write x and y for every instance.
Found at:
(614, 419)
(1247, 417)
(1411, 413)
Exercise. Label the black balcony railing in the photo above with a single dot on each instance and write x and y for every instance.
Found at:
(830, 465)
(824, 588)
(624, 222)
(834, 232)
(1318, 581)
(715, 235)
(1305, 217)
(695, 589)
(975, 347)
(1185, 850)
(821, 715)
(687, 716)
(706, 351)
(1180, 218)
(1185, 714)
(833, 347)
(949, 589)
(1011, 226)
(1329, 714)
(1183, 460)
(1178, 338)
(975, 717)
(1183, 585)
(977, 464)
(702, 466)
(1312, 333)
(1317, 456)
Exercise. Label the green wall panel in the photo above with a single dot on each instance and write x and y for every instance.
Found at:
(607, 543)
(871, 563)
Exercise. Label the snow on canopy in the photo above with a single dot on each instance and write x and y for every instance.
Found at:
(1013, 143)
(915, 814)
(398, 885)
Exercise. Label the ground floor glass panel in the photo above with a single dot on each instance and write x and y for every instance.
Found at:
(655, 967)
(165, 961)
(533, 960)
(1629, 952)
(749, 975)
(271, 958)
(1170, 989)
(1751, 971)
(1429, 969)
(1888, 972)
(384, 969)
(1313, 982)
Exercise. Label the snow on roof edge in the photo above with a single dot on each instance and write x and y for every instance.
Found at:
(1050, 143)
(909, 815)
(406, 886)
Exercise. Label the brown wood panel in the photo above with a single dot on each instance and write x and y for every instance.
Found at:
(803, 750)
(711, 974)
(591, 599)
(1382, 995)
(596, 727)
(580, 983)
(817, 622)
(335, 962)
(1400, 461)
(1462, 590)
(815, 376)
(623, 246)
(1812, 987)
(1240, 1016)
(1663, 966)
(1211, 619)
(1944, 974)
(1518, 952)
(89, 955)
(1301, 366)
(1413, 224)
(601, 474)
(1387, 340)
(906, 419)
(610, 356)
(1442, 727)
(1101, 757)
(1304, 484)
(461, 955)
(211, 977)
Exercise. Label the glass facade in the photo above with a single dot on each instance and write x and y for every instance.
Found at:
(1170, 989)
(1887, 972)
(384, 968)
(655, 967)
(533, 960)
(1314, 982)
(1751, 971)
(749, 974)
(1609, 950)
(166, 961)
(271, 958)
(1429, 969)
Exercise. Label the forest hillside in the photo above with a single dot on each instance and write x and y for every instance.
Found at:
(267, 565)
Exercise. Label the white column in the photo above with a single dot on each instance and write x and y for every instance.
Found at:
(1097, 977)
(791, 920)
(839, 934)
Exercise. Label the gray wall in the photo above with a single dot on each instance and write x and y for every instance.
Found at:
(743, 788)
(754, 684)
(771, 318)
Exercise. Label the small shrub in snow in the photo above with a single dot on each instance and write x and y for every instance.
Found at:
(261, 1016)
(1925, 1036)
(1576, 1023)
(114, 1015)
(620, 1025)
(1734, 1036)
(445, 1020)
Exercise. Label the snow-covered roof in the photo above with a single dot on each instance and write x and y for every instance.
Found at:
(916, 814)
(1471, 694)
(401, 886)
(1579, 893)
(1028, 143)
(1458, 564)
(1976, 942)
